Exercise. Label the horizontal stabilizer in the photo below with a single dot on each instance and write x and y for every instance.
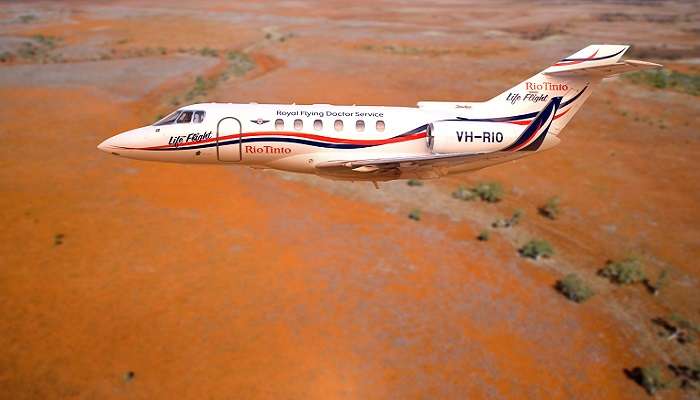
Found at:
(602, 71)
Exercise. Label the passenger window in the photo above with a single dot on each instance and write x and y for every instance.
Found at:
(360, 125)
(185, 117)
(318, 125)
(298, 124)
(279, 124)
(198, 117)
(380, 126)
(338, 125)
(170, 119)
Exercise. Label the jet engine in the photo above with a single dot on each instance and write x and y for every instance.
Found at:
(471, 136)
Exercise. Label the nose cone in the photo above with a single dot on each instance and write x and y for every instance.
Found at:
(125, 141)
(130, 144)
(106, 146)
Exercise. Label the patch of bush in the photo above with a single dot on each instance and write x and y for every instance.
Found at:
(6, 56)
(665, 79)
(540, 33)
(536, 248)
(509, 222)
(208, 52)
(415, 215)
(650, 378)
(25, 19)
(664, 52)
(491, 192)
(278, 36)
(414, 182)
(688, 330)
(239, 63)
(58, 239)
(624, 272)
(574, 288)
(201, 86)
(550, 209)
(689, 376)
(463, 193)
(484, 235)
(677, 328)
(46, 40)
(28, 51)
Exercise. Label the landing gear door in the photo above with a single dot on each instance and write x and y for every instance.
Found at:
(228, 140)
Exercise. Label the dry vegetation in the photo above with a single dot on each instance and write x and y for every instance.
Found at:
(137, 273)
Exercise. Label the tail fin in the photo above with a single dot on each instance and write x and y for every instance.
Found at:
(535, 133)
(571, 77)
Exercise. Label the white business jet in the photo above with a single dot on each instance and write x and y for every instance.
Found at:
(378, 143)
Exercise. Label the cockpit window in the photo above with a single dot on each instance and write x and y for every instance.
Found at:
(170, 119)
(185, 117)
(182, 117)
(198, 117)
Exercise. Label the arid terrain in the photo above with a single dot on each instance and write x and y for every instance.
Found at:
(127, 279)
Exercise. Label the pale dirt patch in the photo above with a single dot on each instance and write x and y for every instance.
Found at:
(126, 79)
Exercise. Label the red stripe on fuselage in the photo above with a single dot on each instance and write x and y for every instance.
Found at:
(310, 136)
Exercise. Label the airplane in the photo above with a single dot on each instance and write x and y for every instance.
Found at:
(381, 143)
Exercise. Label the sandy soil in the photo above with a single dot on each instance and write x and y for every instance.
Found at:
(122, 279)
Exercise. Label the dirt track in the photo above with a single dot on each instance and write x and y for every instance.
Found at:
(210, 282)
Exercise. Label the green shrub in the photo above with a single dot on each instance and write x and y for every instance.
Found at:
(28, 50)
(550, 209)
(201, 85)
(491, 192)
(666, 79)
(512, 221)
(574, 288)
(688, 376)
(415, 215)
(650, 378)
(25, 19)
(239, 63)
(536, 248)
(687, 331)
(465, 194)
(414, 182)
(484, 235)
(47, 41)
(623, 272)
(207, 52)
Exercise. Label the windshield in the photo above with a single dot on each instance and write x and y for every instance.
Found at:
(169, 119)
(182, 117)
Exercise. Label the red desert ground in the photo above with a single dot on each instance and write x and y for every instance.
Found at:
(127, 279)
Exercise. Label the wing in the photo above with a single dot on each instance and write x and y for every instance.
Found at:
(432, 165)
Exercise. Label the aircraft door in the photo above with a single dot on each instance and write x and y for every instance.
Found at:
(228, 140)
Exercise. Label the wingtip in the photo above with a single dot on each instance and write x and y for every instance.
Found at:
(643, 64)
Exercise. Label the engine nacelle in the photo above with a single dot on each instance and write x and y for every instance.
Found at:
(471, 137)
